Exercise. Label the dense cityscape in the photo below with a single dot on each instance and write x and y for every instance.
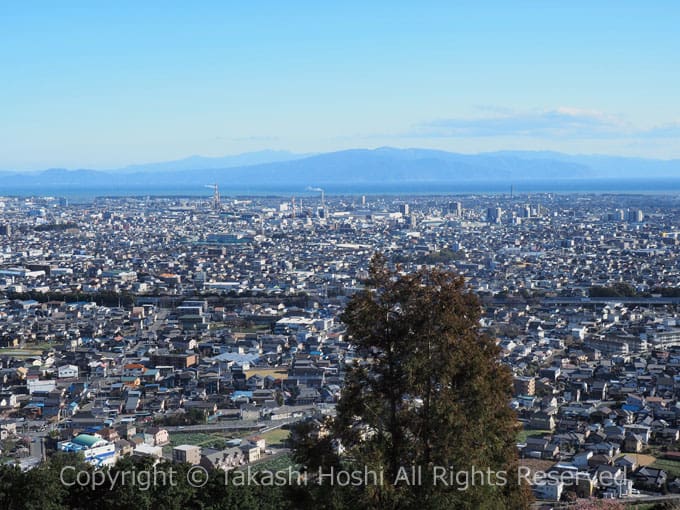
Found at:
(341, 255)
(200, 330)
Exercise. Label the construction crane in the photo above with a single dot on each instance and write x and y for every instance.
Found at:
(216, 195)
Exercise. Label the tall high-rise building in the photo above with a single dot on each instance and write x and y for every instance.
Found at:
(456, 208)
(404, 209)
(494, 214)
(5, 229)
(635, 216)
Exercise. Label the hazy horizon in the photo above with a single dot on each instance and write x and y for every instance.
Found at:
(296, 155)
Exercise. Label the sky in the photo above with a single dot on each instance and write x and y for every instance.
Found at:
(106, 84)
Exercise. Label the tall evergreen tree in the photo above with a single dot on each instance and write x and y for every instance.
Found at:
(429, 397)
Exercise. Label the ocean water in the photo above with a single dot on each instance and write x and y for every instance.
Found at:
(628, 186)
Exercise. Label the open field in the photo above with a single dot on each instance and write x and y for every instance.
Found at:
(276, 463)
(672, 467)
(523, 434)
(198, 439)
(276, 437)
(642, 459)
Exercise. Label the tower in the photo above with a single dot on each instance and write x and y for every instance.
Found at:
(216, 198)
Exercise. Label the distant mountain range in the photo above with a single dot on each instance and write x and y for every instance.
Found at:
(204, 163)
(357, 166)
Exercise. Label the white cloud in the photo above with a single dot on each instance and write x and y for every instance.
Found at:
(562, 122)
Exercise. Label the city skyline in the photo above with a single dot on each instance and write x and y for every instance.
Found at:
(104, 87)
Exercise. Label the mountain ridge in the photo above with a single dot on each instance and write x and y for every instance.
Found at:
(383, 164)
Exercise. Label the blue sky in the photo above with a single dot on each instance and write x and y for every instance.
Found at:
(85, 84)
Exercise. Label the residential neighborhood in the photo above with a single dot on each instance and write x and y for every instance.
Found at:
(199, 331)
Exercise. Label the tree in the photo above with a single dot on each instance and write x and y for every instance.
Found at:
(429, 395)
(619, 289)
(131, 483)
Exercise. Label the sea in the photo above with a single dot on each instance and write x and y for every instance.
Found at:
(666, 186)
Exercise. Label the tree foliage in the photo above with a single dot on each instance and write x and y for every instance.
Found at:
(618, 289)
(165, 486)
(429, 393)
(443, 256)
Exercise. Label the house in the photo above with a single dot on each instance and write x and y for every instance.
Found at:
(604, 448)
(126, 430)
(67, 372)
(258, 441)
(540, 448)
(148, 450)
(132, 402)
(131, 381)
(550, 490)
(633, 443)
(187, 453)
(8, 400)
(207, 408)
(542, 421)
(226, 459)
(109, 434)
(251, 451)
(598, 390)
(668, 435)
(8, 428)
(123, 447)
(600, 459)
(580, 460)
(250, 412)
(156, 436)
(586, 483)
(643, 431)
(307, 395)
(627, 462)
(614, 434)
(650, 478)
(609, 476)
